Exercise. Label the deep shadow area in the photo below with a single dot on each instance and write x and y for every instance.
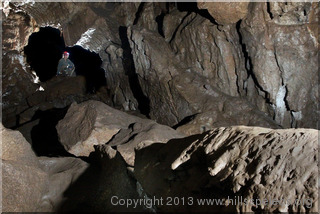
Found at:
(43, 52)
(184, 121)
(88, 64)
(130, 71)
(103, 179)
(44, 136)
(159, 20)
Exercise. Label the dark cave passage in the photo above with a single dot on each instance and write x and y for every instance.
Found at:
(45, 48)
(44, 136)
(43, 52)
(88, 64)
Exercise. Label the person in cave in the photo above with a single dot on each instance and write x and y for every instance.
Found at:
(65, 66)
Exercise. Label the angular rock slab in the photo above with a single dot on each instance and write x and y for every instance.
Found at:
(247, 162)
(95, 123)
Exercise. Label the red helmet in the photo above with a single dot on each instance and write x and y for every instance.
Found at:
(65, 53)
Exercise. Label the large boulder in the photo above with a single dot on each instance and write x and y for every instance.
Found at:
(94, 123)
(23, 182)
(235, 164)
(32, 184)
(225, 12)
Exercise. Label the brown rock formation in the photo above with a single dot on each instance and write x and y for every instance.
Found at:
(284, 56)
(94, 123)
(32, 184)
(249, 162)
(226, 12)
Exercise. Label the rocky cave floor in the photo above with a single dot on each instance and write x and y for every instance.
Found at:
(176, 107)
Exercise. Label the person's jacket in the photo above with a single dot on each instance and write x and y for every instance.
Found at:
(65, 67)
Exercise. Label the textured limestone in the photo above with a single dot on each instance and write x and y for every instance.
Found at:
(164, 83)
(284, 56)
(249, 162)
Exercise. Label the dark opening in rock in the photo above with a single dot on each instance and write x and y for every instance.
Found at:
(159, 20)
(44, 136)
(45, 49)
(88, 64)
(43, 52)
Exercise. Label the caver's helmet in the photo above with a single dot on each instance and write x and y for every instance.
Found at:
(65, 53)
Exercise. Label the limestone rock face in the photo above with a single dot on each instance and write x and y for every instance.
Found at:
(94, 123)
(17, 79)
(176, 101)
(211, 51)
(284, 55)
(225, 12)
(251, 162)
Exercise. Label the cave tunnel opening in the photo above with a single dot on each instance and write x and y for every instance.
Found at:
(88, 64)
(43, 52)
(45, 49)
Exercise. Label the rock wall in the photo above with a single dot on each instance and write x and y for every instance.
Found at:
(18, 81)
(283, 48)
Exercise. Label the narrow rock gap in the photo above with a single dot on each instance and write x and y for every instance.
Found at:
(269, 10)
(130, 71)
(176, 30)
(138, 13)
(282, 83)
(159, 20)
(249, 65)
